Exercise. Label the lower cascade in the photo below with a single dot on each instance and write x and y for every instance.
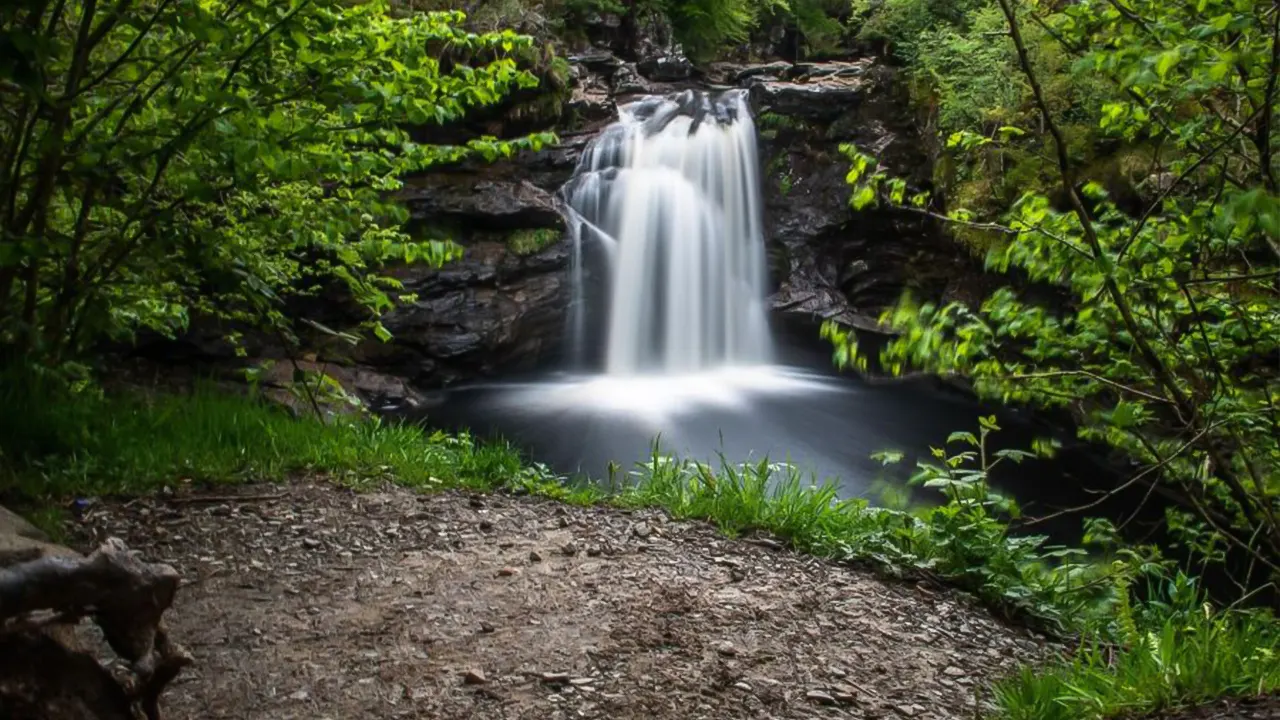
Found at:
(671, 191)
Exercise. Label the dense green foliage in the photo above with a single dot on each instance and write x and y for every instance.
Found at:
(163, 158)
(705, 29)
(1122, 156)
(969, 81)
(1164, 342)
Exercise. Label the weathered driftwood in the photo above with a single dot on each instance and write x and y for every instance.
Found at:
(44, 674)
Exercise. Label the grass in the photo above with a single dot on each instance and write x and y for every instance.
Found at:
(57, 444)
(1188, 655)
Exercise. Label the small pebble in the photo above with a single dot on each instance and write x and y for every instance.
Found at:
(820, 697)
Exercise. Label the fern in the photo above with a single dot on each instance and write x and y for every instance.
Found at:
(705, 26)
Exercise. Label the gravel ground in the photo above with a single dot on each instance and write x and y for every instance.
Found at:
(308, 601)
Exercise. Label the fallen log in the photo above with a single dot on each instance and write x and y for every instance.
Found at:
(46, 590)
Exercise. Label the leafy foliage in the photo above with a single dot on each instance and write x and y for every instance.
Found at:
(706, 26)
(169, 157)
(1163, 344)
(967, 80)
(1180, 651)
(903, 25)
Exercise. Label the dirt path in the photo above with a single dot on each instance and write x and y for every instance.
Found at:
(312, 602)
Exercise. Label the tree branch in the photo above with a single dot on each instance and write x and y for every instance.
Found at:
(1091, 376)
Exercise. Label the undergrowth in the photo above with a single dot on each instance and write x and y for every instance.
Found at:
(1176, 650)
(58, 443)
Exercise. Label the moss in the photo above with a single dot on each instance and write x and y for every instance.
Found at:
(531, 240)
(776, 121)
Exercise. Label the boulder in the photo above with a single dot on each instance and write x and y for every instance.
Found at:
(822, 100)
(628, 81)
(491, 311)
(667, 67)
(658, 56)
(20, 541)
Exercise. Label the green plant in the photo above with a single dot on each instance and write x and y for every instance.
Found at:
(59, 442)
(903, 25)
(1162, 345)
(530, 241)
(705, 26)
(964, 541)
(820, 24)
(1180, 651)
(172, 158)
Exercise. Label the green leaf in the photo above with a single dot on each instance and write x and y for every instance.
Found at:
(864, 196)
(1166, 62)
(887, 457)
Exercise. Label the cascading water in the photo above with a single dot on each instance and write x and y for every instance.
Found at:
(672, 192)
(667, 204)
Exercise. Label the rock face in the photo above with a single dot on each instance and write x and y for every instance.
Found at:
(501, 306)
(827, 260)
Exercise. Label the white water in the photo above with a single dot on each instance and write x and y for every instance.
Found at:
(667, 203)
(671, 190)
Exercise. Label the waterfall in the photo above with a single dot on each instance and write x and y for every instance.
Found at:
(671, 191)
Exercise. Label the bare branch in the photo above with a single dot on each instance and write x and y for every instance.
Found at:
(1123, 486)
(1091, 376)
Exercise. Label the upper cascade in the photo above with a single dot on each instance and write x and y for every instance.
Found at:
(672, 189)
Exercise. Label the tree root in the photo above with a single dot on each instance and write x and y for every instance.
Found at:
(44, 675)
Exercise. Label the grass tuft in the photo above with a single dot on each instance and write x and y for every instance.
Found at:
(530, 241)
